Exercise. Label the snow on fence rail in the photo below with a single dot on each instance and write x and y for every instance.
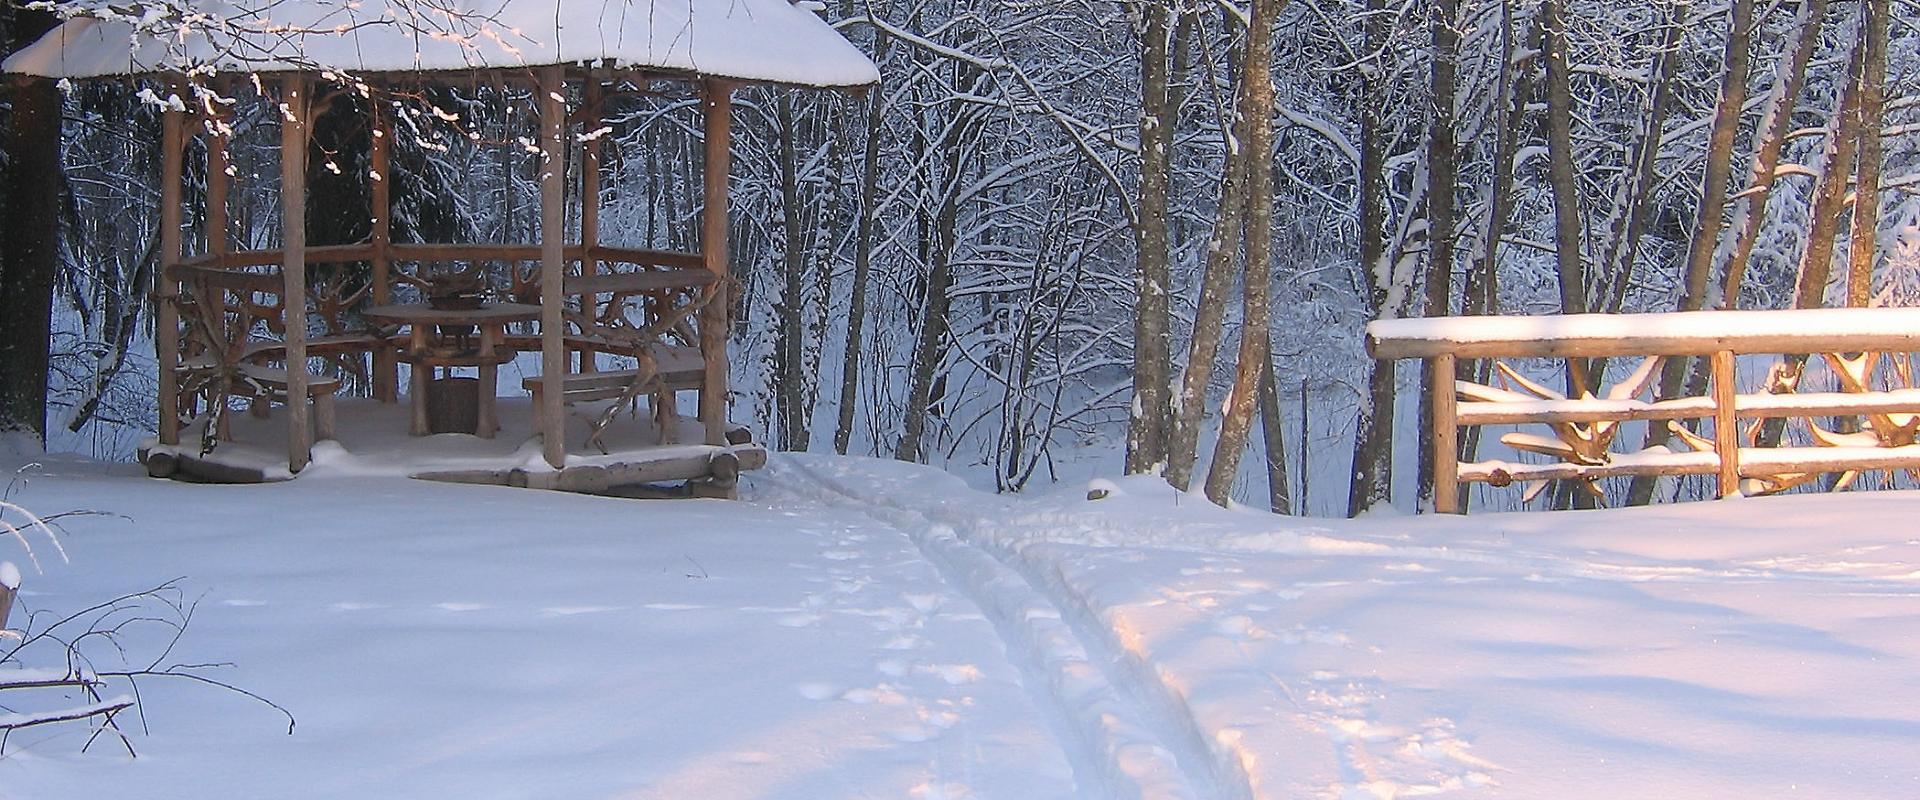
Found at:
(1852, 342)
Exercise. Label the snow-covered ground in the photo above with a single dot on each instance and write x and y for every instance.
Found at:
(858, 628)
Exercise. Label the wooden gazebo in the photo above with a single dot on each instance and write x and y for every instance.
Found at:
(239, 323)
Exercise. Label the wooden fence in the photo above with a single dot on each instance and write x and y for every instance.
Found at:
(1869, 351)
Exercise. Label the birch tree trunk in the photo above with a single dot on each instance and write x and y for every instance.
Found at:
(1256, 98)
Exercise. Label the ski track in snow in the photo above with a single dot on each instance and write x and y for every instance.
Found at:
(1127, 729)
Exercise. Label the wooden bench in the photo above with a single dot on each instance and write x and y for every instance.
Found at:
(1850, 342)
(262, 386)
(677, 368)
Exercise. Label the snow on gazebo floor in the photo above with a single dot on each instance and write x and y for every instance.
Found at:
(371, 439)
(857, 628)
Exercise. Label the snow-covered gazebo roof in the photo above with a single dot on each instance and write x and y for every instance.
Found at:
(773, 41)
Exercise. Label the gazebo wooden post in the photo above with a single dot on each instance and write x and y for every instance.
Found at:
(590, 203)
(553, 233)
(166, 334)
(293, 268)
(219, 186)
(714, 323)
(386, 370)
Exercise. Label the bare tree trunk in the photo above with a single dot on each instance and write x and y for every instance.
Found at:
(789, 398)
(1151, 411)
(1483, 284)
(29, 241)
(1630, 221)
(1823, 222)
(927, 381)
(1864, 245)
(1274, 436)
(1713, 192)
(862, 257)
(1441, 177)
(1713, 199)
(1561, 171)
(1830, 194)
(1256, 97)
(1373, 429)
(1223, 247)
(1778, 121)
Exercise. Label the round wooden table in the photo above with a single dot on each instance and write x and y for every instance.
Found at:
(443, 338)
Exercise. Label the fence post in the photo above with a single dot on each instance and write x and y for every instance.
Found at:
(1726, 423)
(1446, 435)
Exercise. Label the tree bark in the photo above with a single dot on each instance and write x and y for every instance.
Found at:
(1823, 222)
(1273, 434)
(789, 399)
(1830, 194)
(1777, 122)
(1223, 247)
(1713, 199)
(1864, 243)
(1561, 171)
(1441, 177)
(1152, 411)
(1256, 97)
(1373, 429)
(30, 188)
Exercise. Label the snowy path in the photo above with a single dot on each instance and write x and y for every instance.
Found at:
(1130, 735)
(445, 641)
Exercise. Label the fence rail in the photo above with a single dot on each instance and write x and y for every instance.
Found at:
(1855, 344)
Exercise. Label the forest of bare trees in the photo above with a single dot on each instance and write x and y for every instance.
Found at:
(1149, 232)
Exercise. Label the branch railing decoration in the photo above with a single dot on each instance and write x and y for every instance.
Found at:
(1868, 351)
